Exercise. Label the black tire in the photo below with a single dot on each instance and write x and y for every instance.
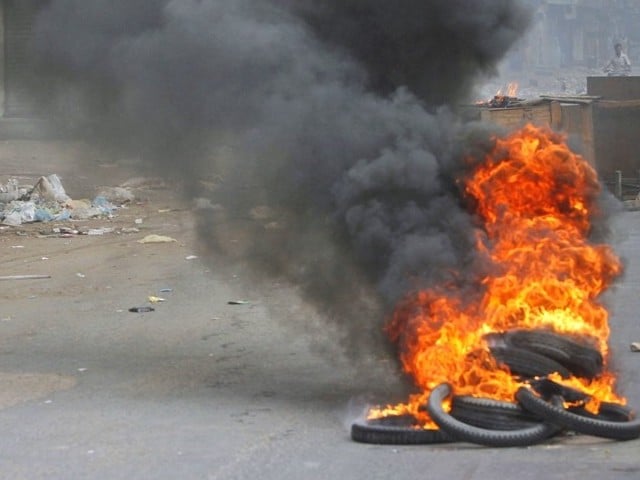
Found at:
(549, 389)
(580, 423)
(492, 438)
(394, 421)
(526, 363)
(389, 435)
(613, 412)
(491, 414)
(580, 357)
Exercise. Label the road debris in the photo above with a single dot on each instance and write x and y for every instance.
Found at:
(49, 189)
(99, 231)
(142, 309)
(119, 195)
(11, 191)
(202, 203)
(24, 277)
(153, 238)
(47, 201)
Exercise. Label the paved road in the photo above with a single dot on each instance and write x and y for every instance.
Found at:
(200, 389)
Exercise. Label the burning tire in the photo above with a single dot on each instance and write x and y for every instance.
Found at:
(393, 435)
(491, 414)
(408, 421)
(580, 358)
(608, 411)
(526, 363)
(617, 430)
(482, 436)
(547, 389)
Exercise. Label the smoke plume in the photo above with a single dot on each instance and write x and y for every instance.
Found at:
(334, 118)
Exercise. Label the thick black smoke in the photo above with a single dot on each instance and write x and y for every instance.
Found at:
(335, 114)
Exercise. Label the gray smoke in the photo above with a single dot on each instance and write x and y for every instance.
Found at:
(334, 114)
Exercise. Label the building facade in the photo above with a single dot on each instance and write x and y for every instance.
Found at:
(567, 33)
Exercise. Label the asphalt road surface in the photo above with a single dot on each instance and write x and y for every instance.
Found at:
(201, 389)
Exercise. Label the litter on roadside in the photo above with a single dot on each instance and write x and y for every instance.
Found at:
(47, 201)
(99, 231)
(11, 191)
(118, 195)
(153, 238)
(24, 277)
(142, 309)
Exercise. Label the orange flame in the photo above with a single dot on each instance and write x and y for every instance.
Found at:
(535, 199)
(512, 90)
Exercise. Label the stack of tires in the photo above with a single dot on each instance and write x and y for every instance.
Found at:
(540, 412)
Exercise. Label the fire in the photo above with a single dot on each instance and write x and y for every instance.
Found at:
(501, 100)
(512, 90)
(535, 200)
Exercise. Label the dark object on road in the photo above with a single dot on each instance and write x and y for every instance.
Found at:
(531, 435)
(491, 414)
(142, 309)
(617, 430)
(407, 420)
(397, 435)
(548, 388)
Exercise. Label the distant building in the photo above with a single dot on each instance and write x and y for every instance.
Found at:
(567, 33)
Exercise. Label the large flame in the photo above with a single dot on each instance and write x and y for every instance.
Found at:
(535, 199)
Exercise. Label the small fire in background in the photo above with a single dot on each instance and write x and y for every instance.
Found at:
(503, 100)
(535, 200)
(512, 90)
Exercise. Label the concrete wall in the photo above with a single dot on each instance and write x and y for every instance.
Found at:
(614, 88)
(616, 124)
